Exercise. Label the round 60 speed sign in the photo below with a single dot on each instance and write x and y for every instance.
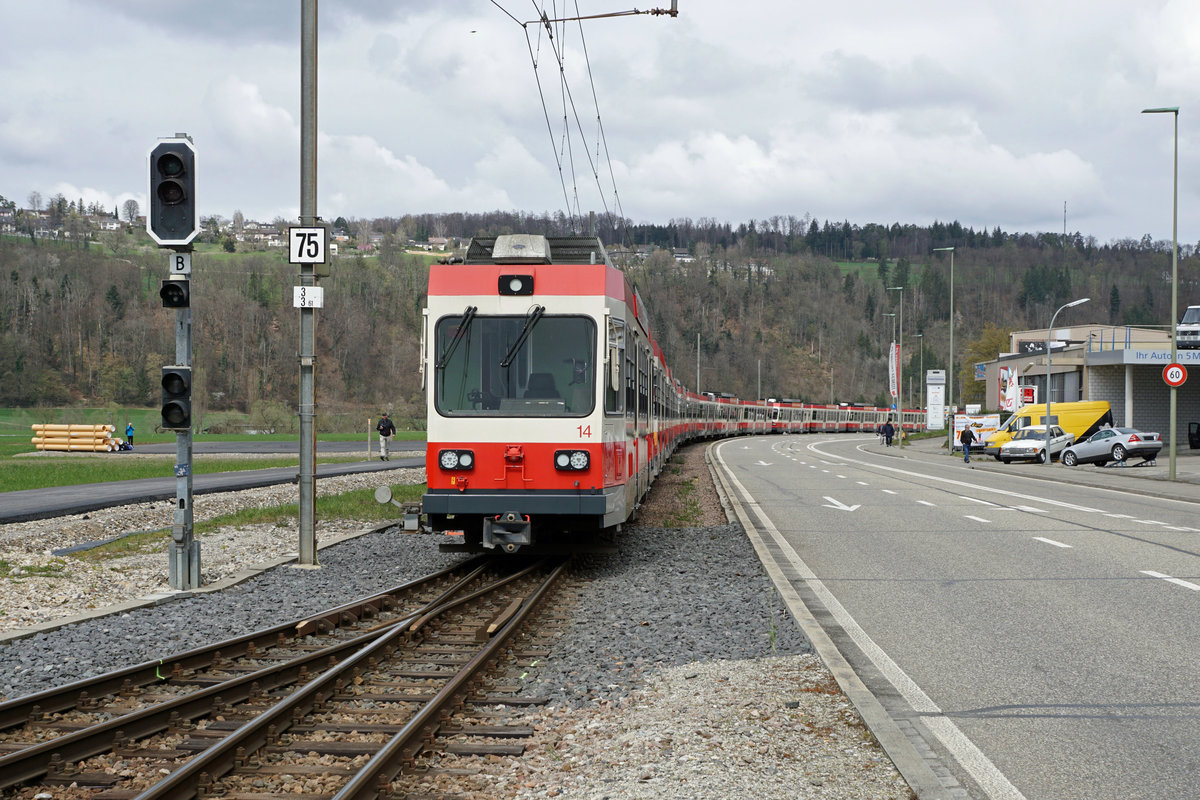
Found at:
(1174, 374)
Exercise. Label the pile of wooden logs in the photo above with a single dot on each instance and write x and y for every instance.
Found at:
(86, 438)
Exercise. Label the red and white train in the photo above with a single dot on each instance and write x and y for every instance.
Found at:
(550, 407)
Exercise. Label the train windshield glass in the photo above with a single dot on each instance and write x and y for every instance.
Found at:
(515, 366)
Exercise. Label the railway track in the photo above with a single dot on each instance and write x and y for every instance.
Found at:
(334, 705)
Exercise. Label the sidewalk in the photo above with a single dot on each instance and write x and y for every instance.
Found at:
(1147, 480)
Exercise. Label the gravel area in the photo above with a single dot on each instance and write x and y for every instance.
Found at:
(680, 673)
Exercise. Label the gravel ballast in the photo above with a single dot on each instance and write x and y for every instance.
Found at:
(678, 674)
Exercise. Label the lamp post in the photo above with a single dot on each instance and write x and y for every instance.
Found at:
(1049, 333)
(921, 376)
(1174, 272)
(950, 368)
(900, 365)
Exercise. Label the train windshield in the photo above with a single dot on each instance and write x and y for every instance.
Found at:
(535, 365)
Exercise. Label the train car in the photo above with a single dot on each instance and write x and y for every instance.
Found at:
(550, 406)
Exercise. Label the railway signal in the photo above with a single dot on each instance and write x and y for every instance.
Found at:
(176, 293)
(173, 220)
(177, 398)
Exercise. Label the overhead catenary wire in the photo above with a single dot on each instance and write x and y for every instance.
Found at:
(562, 146)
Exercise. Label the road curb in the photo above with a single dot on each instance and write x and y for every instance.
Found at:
(913, 767)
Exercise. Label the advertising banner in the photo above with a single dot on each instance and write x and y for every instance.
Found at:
(893, 368)
(982, 424)
(935, 407)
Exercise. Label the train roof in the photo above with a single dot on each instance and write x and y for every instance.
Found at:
(525, 248)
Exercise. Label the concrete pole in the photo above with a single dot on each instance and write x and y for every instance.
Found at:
(308, 318)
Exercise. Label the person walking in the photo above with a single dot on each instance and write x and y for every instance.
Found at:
(386, 431)
(129, 433)
(889, 431)
(967, 437)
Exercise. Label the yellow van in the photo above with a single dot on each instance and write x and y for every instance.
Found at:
(1081, 418)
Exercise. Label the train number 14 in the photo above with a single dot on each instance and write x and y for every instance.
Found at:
(585, 431)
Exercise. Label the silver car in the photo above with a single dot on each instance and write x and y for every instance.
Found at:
(1029, 444)
(1113, 444)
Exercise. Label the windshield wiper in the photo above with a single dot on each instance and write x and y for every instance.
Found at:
(530, 321)
(463, 327)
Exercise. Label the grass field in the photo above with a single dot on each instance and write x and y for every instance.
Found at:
(20, 471)
(69, 470)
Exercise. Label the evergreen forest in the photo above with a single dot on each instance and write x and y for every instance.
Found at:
(787, 306)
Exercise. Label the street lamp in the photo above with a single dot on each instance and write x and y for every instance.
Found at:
(1174, 271)
(1049, 333)
(921, 375)
(900, 364)
(950, 369)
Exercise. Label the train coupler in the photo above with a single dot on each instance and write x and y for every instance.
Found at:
(508, 531)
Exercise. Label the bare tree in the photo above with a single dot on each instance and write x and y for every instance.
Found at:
(131, 209)
(35, 200)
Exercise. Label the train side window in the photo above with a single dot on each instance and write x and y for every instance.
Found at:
(631, 379)
(643, 387)
(613, 385)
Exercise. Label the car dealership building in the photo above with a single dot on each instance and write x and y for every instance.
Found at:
(1122, 365)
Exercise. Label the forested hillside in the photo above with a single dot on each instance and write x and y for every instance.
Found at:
(801, 304)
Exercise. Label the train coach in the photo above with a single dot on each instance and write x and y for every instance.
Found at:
(795, 416)
(550, 406)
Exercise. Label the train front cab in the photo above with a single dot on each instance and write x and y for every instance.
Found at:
(527, 434)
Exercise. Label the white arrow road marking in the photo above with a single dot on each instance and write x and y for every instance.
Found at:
(838, 505)
(762, 463)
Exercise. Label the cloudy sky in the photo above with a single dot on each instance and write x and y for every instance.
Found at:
(994, 112)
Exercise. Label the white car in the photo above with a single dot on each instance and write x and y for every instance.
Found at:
(1029, 444)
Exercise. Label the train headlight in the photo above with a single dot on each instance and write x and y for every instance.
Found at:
(567, 460)
(456, 459)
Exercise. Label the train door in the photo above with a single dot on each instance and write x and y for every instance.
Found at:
(643, 420)
(631, 421)
(616, 437)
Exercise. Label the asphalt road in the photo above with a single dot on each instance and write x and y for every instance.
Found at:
(57, 501)
(323, 448)
(1035, 639)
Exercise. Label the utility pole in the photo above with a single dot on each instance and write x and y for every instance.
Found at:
(308, 281)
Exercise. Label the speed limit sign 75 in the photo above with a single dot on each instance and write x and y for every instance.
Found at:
(1174, 374)
(306, 245)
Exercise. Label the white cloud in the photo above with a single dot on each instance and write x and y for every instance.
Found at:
(992, 113)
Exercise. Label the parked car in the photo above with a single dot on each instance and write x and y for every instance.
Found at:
(1113, 444)
(1029, 444)
(1081, 418)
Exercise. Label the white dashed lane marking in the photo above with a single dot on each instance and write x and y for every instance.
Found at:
(1169, 579)
(1051, 541)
